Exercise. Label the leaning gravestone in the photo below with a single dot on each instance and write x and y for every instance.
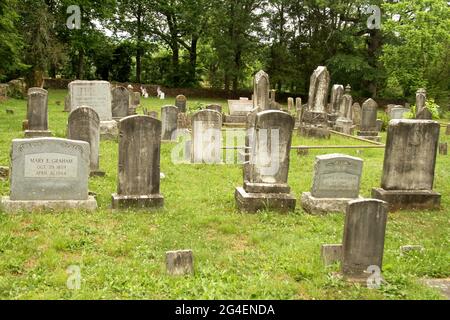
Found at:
(49, 174)
(169, 119)
(363, 242)
(337, 180)
(181, 103)
(207, 137)
(84, 125)
(37, 113)
(409, 165)
(266, 174)
(139, 164)
(315, 118)
(120, 102)
(369, 128)
(97, 95)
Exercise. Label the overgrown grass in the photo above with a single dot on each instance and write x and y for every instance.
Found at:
(237, 256)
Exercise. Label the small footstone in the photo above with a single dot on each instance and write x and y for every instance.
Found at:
(331, 253)
(443, 149)
(4, 173)
(180, 263)
(9, 111)
(408, 249)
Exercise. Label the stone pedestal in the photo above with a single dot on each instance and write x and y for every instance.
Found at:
(154, 201)
(322, 206)
(9, 206)
(344, 126)
(253, 202)
(37, 133)
(235, 119)
(109, 130)
(314, 132)
(408, 200)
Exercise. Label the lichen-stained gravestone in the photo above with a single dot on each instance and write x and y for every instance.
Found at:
(120, 102)
(180, 263)
(421, 100)
(337, 180)
(207, 137)
(139, 164)
(266, 174)
(337, 92)
(363, 241)
(37, 113)
(409, 165)
(181, 103)
(261, 89)
(169, 119)
(49, 173)
(84, 125)
(369, 128)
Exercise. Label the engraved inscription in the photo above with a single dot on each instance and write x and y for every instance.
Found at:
(50, 165)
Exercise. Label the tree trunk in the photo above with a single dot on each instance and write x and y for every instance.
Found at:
(193, 59)
(80, 66)
(139, 50)
(375, 42)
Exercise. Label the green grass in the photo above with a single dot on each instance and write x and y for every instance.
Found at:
(237, 256)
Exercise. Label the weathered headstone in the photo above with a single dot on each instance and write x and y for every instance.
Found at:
(261, 85)
(356, 114)
(266, 174)
(369, 128)
(337, 180)
(49, 174)
(120, 102)
(214, 107)
(364, 236)
(447, 132)
(421, 100)
(409, 165)
(443, 149)
(239, 110)
(331, 253)
(207, 137)
(37, 113)
(181, 103)
(337, 92)
(84, 125)
(169, 119)
(97, 95)
(290, 104)
(180, 263)
(344, 122)
(67, 107)
(380, 124)
(398, 113)
(139, 164)
(315, 118)
(272, 95)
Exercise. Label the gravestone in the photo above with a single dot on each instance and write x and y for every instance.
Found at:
(344, 122)
(181, 103)
(369, 129)
(421, 100)
(153, 114)
(84, 125)
(97, 95)
(337, 180)
(363, 241)
(261, 88)
(169, 119)
(331, 253)
(356, 114)
(139, 164)
(67, 107)
(424, 114)
(315, 118)
(337, 92)
(272, 95)
(239, 110)
(120, 102)
(443, 149)
(135, 102)
(290, 104)
(409, 165)
(447, 132)
(180, 263)
(380, 124)
(49, 174)
(207, 137)
(214, 107)
(298, 110)
(266, 174)
(37, 114)
(398, 113)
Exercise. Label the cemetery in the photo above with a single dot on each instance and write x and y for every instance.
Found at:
(135, 190)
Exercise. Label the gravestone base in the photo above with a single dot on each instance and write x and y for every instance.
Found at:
(153, 201)
(9, 206)
(97, 173)
(37, 133)
(314, 132)
(109, 130)
(232, 119)
(253, 202)
(408, 199)
(322, 206)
